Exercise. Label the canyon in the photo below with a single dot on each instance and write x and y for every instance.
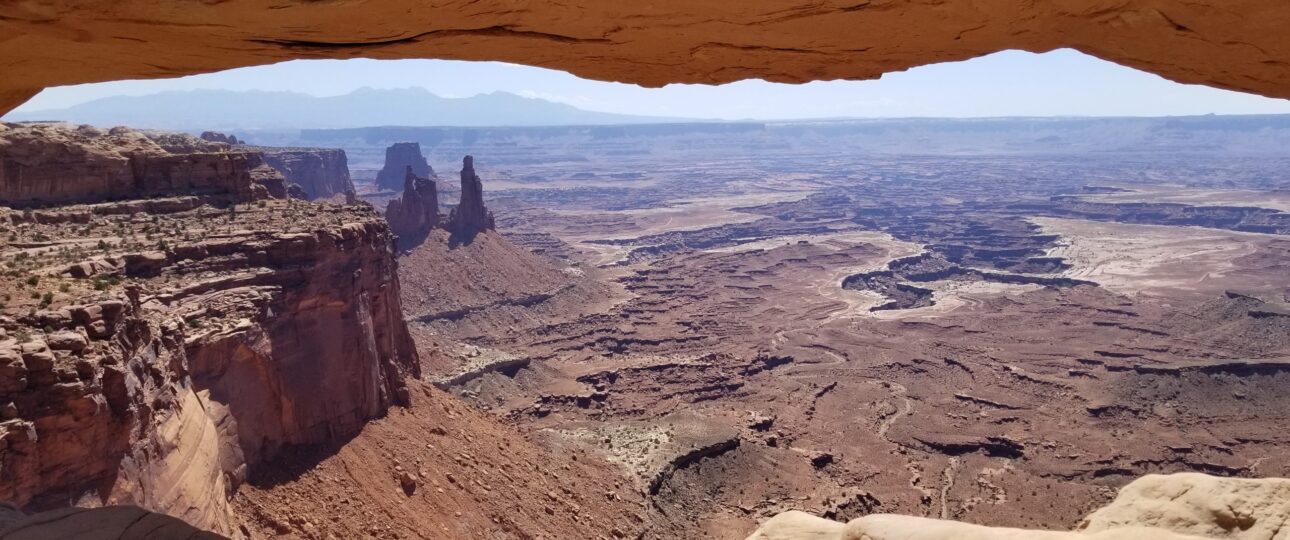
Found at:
(682, 331)
(689, 303)
(662, 332)
(180, 348)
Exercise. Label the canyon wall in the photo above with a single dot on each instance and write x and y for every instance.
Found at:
(55, 163)
(164, 373)
(321, 172)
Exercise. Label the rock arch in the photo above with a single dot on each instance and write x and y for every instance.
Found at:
(1234, 44)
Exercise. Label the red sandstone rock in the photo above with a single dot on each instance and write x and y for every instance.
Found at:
(1236, 44)
(60, 163)
(320, 172)
(470, 216)
(412, 215)
(242, 330)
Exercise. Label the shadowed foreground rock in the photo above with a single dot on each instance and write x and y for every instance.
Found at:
(1185, 506)
(107, 523)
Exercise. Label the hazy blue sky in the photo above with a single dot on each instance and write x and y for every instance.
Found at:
(1009, 83)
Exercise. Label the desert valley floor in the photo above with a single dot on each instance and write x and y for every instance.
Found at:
(1002, 339)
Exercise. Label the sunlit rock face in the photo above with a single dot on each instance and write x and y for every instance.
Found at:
(200, 329)
(60, 163)
(1185, 506)
(1238, 44)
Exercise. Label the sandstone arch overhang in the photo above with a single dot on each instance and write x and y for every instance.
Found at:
(1234, 44)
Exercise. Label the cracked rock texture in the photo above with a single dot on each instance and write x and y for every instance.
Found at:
(1184, 506)
(1237, 44)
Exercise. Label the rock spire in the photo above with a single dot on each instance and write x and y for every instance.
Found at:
(470, 216)
(413, 214)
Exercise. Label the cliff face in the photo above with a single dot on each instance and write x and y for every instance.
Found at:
(398, 157)
(59, 163)
(242, 331)
(321, 172)
(412, 215)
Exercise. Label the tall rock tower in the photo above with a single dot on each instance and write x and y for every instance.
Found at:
(470, 216)
(399, 157)
(412, 215)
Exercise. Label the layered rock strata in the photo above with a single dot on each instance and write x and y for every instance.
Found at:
(160, 352)
(322, 173)
(398, 157)
(44, 164)
(412, 215)
(470, 216)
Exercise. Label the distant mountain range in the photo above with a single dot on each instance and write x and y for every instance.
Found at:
(228, 110)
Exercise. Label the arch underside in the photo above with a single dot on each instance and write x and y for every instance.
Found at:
(1234, 44)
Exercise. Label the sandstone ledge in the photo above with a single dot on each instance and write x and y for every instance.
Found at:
(1183, 506)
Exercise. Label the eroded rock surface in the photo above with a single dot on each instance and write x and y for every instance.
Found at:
(1184, 506)
(159, 352)
(413, 214)
(61, 163)
(1237, 44)
(1200, 505)
(470, 216)
(321, 172)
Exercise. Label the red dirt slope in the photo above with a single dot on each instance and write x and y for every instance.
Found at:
(440, 469)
